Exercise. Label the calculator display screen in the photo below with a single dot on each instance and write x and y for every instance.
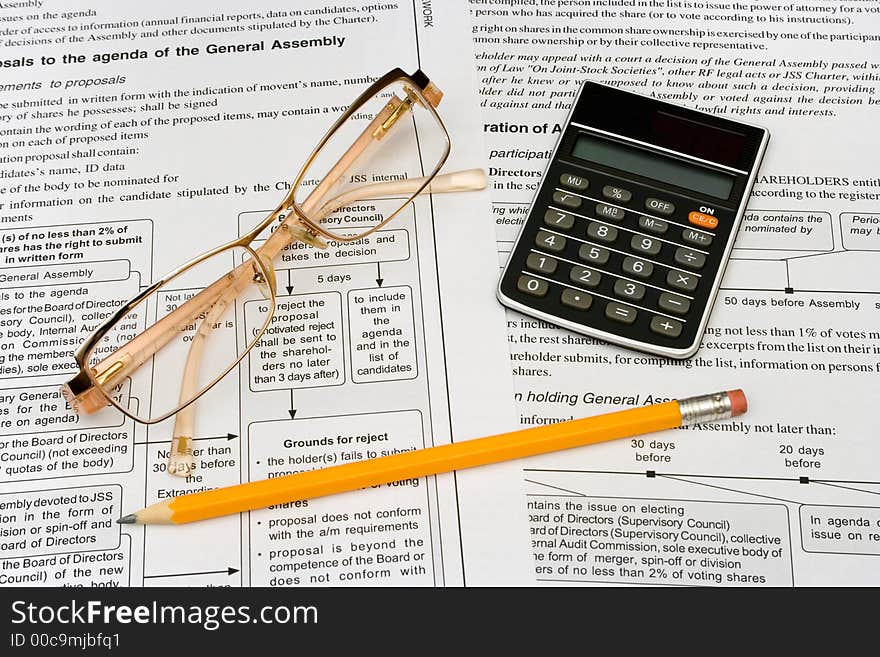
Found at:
(650, 165)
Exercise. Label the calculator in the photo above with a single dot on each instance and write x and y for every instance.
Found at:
(633, 223)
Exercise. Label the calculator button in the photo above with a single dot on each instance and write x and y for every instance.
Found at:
(703, 220)
(646, 245)
(681, 281)
(541, 263)
(672, 303)
(549, 241)
(574, 182)
(637, 268)
(659, 206)
(666, 327)
(567, 200)
(629, 290)
(656, 226)
(534, 286)
(602, 233)
(584, 276)
(576, 299)
(595, 254)
(696, 238)
(620, 313)
(689, 258)
(609, 212)
(613, 193)
(557, 219)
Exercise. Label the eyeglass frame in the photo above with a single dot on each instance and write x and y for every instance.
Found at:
(80, 390)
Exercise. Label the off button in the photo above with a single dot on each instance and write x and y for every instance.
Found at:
(659, 206)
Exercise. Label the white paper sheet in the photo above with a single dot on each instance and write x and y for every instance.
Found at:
(89, 147)
(787, 494)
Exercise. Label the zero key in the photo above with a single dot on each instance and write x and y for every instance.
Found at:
(530, 285)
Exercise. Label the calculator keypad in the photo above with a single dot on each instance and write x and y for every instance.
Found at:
(625, 258)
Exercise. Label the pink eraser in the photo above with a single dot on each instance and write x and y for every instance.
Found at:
(738, 403)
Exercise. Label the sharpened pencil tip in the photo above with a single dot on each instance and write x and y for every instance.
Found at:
(130, 519)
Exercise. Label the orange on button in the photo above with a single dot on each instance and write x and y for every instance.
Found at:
(703, 220)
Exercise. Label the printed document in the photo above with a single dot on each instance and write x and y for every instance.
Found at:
(788, 494)
(136, 137)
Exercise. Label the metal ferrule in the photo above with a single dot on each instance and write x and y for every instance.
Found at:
(705, 408)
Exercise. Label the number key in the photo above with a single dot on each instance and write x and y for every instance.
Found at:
(629, 290)
(602, 233)
(646, 245)
(585, 276)
(534, 286)
(595, 254)
(557, 219)
(637, 268)
(549, 241)
(541, 263)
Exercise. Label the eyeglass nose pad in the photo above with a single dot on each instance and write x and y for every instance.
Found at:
(304, 235)
(264, 278)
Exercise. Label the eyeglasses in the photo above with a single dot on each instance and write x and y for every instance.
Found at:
(382, 152)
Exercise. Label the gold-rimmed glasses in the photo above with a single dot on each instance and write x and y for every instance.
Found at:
(386, 148)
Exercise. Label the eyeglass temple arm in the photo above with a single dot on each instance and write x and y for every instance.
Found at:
(180, 456)
(457, 181)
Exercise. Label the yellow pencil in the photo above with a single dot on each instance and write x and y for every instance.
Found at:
(444, 458)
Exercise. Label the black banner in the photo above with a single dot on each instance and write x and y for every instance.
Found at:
(268, 621)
